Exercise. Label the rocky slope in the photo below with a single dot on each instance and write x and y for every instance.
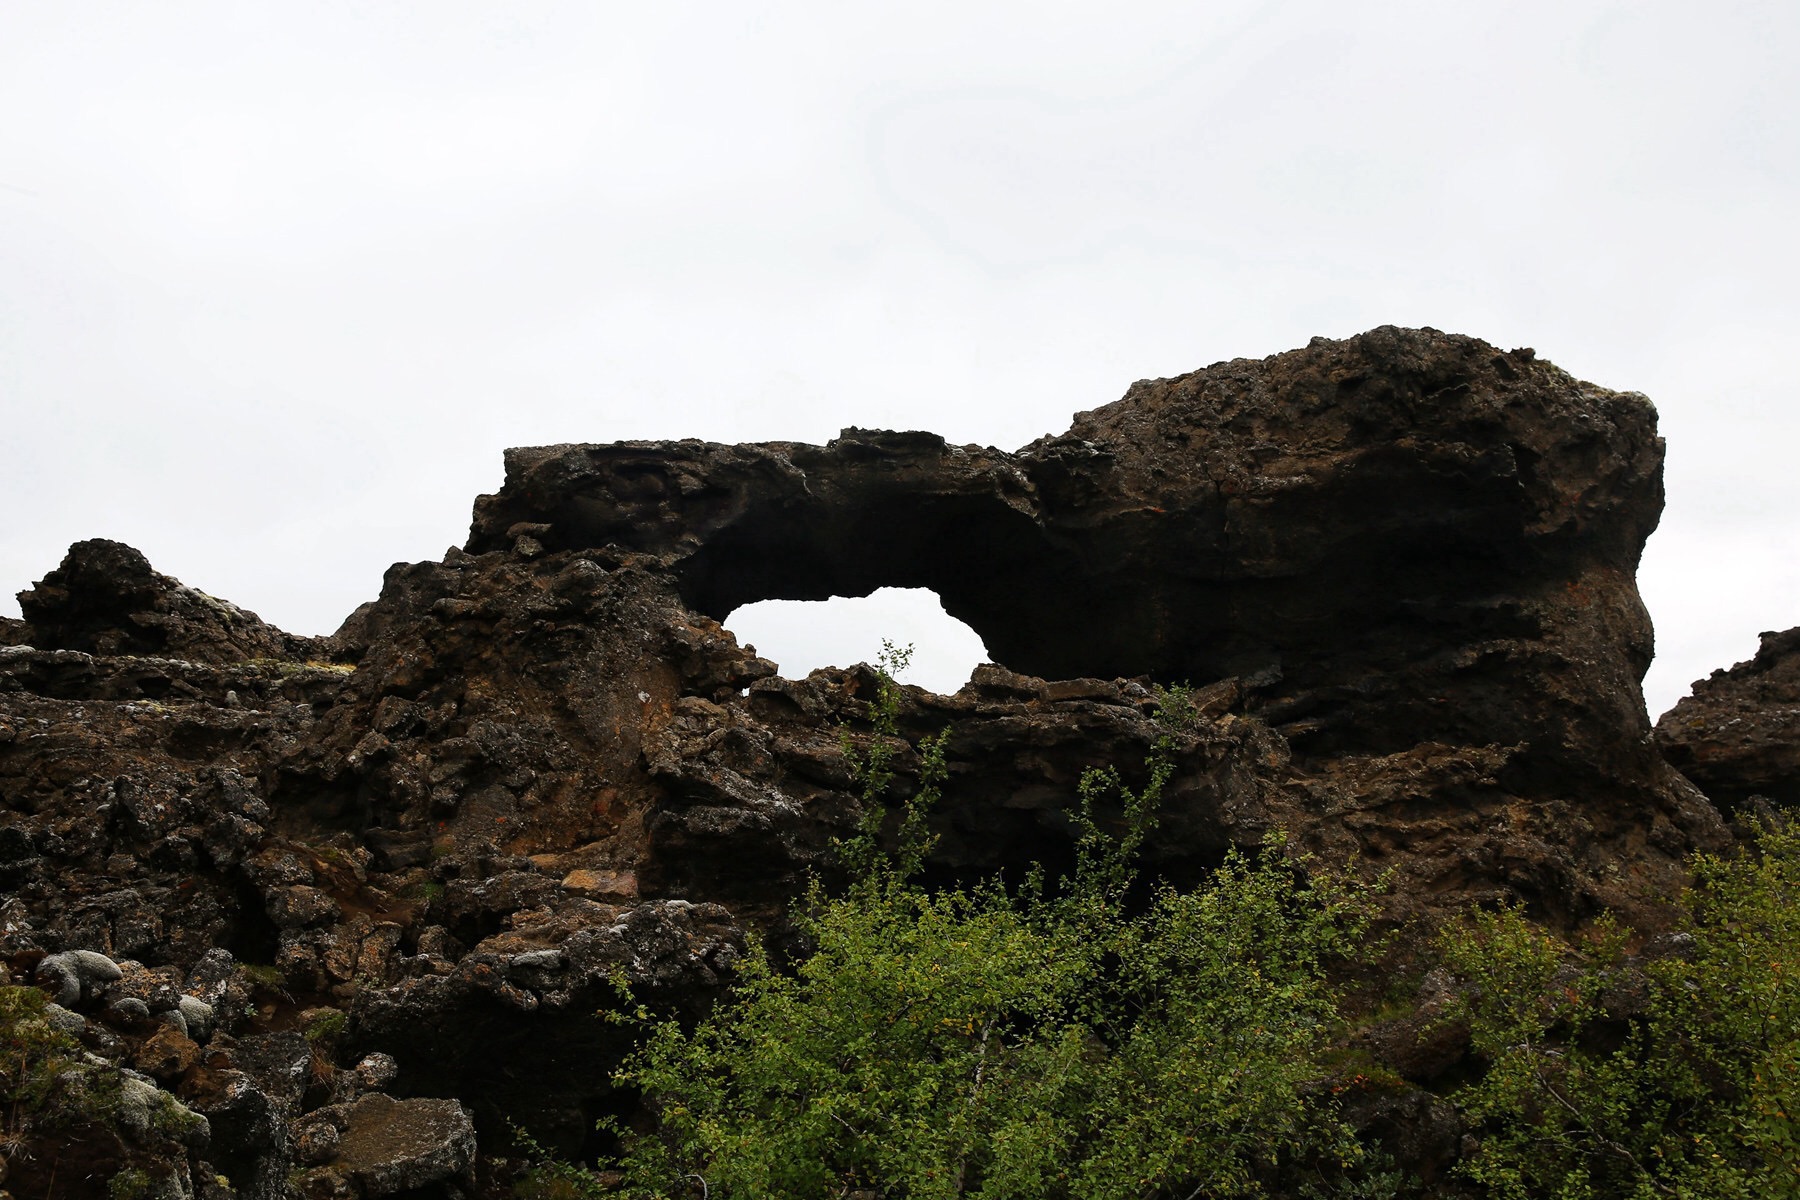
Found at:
(398, 866)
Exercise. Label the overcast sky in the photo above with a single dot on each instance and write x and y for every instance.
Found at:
(279, 282)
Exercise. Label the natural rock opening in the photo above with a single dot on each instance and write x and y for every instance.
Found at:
(803, 635)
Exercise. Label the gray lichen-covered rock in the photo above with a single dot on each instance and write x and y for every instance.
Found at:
(77, 975)
(197, 1017)
(64, 1021)
(145, 1111)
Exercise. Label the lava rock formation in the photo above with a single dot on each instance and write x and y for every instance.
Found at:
(398, 866)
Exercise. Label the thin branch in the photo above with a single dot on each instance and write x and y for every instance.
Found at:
(1585, 1127)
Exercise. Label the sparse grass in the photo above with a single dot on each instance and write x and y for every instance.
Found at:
(327, 1027)
(1355, 1069)
(330, 855)
(287, 666)
(423, 891)
(34, 1055)
(49, 1083)
(264, 976)
(551, 1179)
(546, 1182)
(130, 1184)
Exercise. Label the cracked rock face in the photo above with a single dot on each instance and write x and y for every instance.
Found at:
(1397, 571)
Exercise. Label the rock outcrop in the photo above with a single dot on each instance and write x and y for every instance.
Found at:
(106, 599)
(1396, 570)
(1737, 734)
(1411, 554)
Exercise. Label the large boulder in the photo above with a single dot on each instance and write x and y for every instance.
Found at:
(382, 1146)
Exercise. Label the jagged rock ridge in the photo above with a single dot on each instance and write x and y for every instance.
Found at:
(1738, 734)
(1398, 569)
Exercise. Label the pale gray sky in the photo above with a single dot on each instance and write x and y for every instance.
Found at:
(279, 282)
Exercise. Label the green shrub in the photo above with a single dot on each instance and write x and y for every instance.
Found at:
(546, 1182)
(549, 1178)
(1692, 1096)
(1033, 1042)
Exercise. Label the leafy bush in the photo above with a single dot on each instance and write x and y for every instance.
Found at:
(1042, 1041)
(550, 1178)
(1033, 1039)
(1692, 1095)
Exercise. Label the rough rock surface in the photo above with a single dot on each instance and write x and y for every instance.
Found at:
(1737, 735)
(379, 1146)
(1413, 554)
(1396, 569)
(106, 599)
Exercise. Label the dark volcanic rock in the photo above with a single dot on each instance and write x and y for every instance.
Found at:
(1397, 571)
(105, 599)
(1302, 519)
(383, 1146)
(1738, 734)
(1413, 552)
